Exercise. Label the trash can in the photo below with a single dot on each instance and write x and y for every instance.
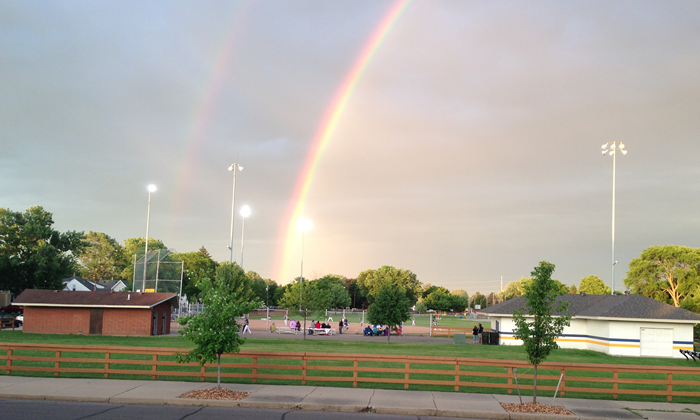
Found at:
(485, 338)
(495, 338)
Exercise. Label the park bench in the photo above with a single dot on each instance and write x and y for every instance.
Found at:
(694, 354)
(324, 331)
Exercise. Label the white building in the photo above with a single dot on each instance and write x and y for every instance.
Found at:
(77, 283)
(621, 325)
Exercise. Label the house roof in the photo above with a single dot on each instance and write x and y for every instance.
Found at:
(109, 284)
(88, 284)
(70, 298)
(633, 306)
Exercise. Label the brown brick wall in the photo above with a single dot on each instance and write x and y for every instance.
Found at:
(124, 322)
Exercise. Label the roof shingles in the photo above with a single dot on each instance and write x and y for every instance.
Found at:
(39, 297)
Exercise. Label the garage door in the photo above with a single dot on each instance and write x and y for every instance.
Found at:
(656, 342)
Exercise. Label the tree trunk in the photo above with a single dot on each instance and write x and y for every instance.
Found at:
(389, 335)
(218, 374)
(534, 388)
(304, 331)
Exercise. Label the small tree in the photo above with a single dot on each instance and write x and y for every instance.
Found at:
(391, 307)
(593, 285)
(539, 335)
(215, 332)
(305, 298)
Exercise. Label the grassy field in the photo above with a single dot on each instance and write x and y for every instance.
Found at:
(361, 347)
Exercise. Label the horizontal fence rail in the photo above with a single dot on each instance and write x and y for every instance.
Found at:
(456, 373)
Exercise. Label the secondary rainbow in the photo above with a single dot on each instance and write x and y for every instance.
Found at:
(324, 133)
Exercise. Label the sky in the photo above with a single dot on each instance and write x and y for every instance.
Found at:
(468, 148)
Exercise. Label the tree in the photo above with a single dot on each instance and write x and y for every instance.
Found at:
(306, 299)
(439, 299)
(32, 253)
(371, 281)
(136, 247)
(515, 288)
(593, 285)
(540, 334)
(573, 289)
(390, 307)
(102, 258)
(215, 332)
(421, 306)
(264, 289)
(198, 265)
(232, 279)
(336, 286)
(479, 299)
(666, 273)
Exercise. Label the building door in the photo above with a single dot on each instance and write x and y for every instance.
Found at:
(656, 342)
(155, 323)
(95, 321)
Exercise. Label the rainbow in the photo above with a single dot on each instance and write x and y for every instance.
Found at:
(323, 136)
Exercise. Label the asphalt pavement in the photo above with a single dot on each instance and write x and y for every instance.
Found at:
(343, 400)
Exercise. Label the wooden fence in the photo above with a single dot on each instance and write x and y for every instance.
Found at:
(465, 374)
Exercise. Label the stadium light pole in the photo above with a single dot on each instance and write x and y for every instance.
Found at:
(245, 212)
(233, 168)
(610, 149)
(303, 225)
(151, 189)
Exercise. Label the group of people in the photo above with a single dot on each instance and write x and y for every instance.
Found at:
(477, 331)
(384, 330)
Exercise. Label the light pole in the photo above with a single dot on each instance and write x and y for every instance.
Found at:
(233, 168)
(267, 305)
(245, 212)
(303, 225)
(151, 188)
(610, 148)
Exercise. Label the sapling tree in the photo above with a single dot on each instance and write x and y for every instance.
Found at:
(539, 334)
(390, 307)
(215, 332)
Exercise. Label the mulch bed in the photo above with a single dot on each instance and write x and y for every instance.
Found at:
(536, 409)
(215, 394)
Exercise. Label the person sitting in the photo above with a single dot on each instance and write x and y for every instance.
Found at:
(368, 331)
(318, 324)
(386, 331)
(273, 328)
(375, 331)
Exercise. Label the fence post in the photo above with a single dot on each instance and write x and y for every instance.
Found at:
(406, 375)
(255, 369)
(669, 387)
(562, 390)
(615, 378)
(457, 375)
(510, 379)
(354, 374)
(154, 366)
(106, 365)
(57, 364)
(303, 369)
(8, 365)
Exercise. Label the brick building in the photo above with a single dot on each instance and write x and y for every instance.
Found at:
(96, 313)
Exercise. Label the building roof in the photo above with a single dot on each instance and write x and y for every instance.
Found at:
(70, 298)
(88, 284)
(633, 306)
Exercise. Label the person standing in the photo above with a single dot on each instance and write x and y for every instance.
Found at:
(340, 326)
(481, 331)
(475, 334)
(246, 326)
(286, 318)
(413, 321)
(347, 325)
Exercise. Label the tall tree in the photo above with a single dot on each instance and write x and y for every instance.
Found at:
(215, 332)
(390, 307)
(439, 299)
(264, 289)
(198, 265)
(667, 273)
(232, 279)
(32, 253)
(371, 281)
(539, 335)
(593, 285)
(103, 258)
(479, 299)
(515, 288)
(306, 299)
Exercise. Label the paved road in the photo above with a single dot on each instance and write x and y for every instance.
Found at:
(62, 410)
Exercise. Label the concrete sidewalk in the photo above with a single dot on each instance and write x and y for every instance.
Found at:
(414, 403)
